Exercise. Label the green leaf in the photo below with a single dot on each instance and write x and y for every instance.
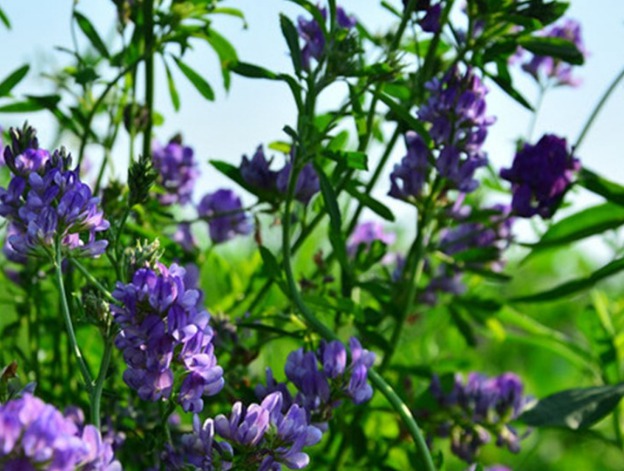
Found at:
(609, 190)
(173, 91)
(503, 80)
(575, 409)
(270, 267)
(5, 19)
(225, 51)
(253, 71)
(91, 33)
(574, 286)
(292, 39)
(585, 223)
(352, 159)
(557, 48)
(464, 327)
(371, 203)
(404, 115)
(233, 173)
(197, 80)
(12, 80)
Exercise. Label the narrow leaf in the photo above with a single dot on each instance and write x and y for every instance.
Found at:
(91, 33)
(225, 51)
(371, 203)
(601, 186)
(576, 409)
(12, 80)
(405, 116)
(292, 40)
(253, 71)
(351, 159)
(336, 235)
(173, 91)
(197, 80)
(5, 19)
(558, 48)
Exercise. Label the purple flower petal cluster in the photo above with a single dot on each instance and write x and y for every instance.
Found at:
(226, 217)
(323, 379)
(472, 411)
(46, 203)
(540, 176)
(35, 435)
(307, 182)
(554, 69)
(259, 434)
(177, 169)
(430, 22)
(312, 34)
(365, 234)
(409, 177)
(163, 326)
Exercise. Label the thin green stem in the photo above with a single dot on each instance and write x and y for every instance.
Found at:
(82, 366)
(597, 109)
(107, 294)
(148, 14)
(538, 105)
(96, 395)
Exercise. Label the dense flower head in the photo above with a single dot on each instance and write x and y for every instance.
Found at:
(256, 171)
(409, 177)
(312, 34)
(162, 326)
(555, 69)
(46, 203)
(366, 233)
(471, 411)
(35, 435)
(307, 182)
(177, 171)
(225, 214)
(540, 176)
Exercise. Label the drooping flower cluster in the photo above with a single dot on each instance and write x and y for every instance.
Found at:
(46, 203)
(456, 111)
(177, 171)
(365, 234)
(540, 176)
(259, 436)
(312, 34)
(471, 413)
(35, 435)
(550, 68)
(320, 390)
(257, 173)
(226, 217)
(163, 325)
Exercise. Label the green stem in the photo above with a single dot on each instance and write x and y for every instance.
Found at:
(82, 366)
(148, 18)
(96, 395)
(538, 105)
(107, 294)
(597, 109)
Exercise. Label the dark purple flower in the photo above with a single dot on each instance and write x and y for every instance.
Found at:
(225, 214)
(408, 178)
(48, 204)
(555, 69)
(312, 34)
(34, 435)
(177, 169)
(540, 176)
(256, 171)
(307, 182)
(430, 23)
(163, 326)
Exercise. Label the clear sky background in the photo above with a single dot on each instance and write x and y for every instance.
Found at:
(254, 112)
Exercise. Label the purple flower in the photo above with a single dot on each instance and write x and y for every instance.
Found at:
(408, 178)
(307, 182)
(540, 176)
(184, 237)
(163, 326)
(34, 435)
(365, 234)
(46, 203)
(225, 215)
(177, 169)
(313, 36)
(554, 69)
(256, 172)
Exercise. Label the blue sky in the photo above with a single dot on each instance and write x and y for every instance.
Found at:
(254, 112)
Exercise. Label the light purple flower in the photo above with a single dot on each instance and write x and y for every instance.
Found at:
(225, 214)
(177, 169)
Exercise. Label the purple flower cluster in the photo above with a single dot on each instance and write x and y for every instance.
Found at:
(554, 69)
(456, 112)
(320, 390)
(35, 435)
(225, 215)
(260, 435)
(430, 22)
(177, 169)
(365, 234)
(471, 412)
(540, 176)
(314, 37)
(46, 203)
(257, 173)
(162, 324)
